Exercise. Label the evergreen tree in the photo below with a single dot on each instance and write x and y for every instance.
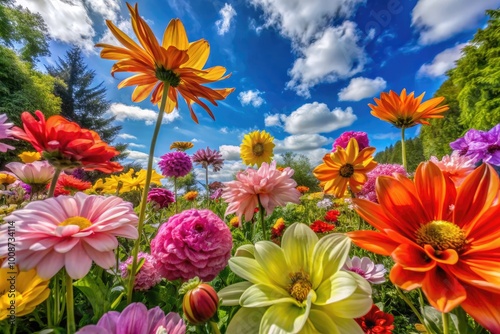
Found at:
(82, 102)
(302, 170)
(392, 154)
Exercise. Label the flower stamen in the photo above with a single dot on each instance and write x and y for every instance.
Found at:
(346, 170)
(81, 222)
(300, 286)
(441, 235)
(258, 149)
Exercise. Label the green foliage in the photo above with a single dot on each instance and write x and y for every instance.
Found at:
(303, 170)
(392, 154)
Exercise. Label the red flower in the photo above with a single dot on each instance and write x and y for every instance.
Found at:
(332, 216)
(69, 185)
(66, 145)
(376, 322)
(321, 227)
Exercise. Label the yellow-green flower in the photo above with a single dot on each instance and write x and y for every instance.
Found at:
(24, 288)
(256, 148)
(29, 157)
(298, 287)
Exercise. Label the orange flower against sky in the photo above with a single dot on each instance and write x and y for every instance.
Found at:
(175, 62)
(406, 110)
(66, 145)
(442, 239)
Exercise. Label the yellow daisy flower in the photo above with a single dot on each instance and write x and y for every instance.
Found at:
(181, 145)
(29, 157)
(256, 148)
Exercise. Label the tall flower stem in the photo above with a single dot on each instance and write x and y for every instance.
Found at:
(175, 195)
(206, 185)
(410, 304)
(215, 328)
(262, 222)
(403, 148)
(53, 183)
(446, 322)
(70, 303)
(142, 210)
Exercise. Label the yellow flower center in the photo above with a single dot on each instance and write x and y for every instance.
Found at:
(346, 170)
(441, 235)
(300, 286)
(81, 222)
(258, 149)
(168, 76)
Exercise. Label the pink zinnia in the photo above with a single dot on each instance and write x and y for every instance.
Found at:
(342, 141)
(175, 164)
(147, 277)
(160, 197)
(368, 190)
(70, 232)
(192, 243)
(5, 133)
(267, 184)
(456, 166)
(34, 173)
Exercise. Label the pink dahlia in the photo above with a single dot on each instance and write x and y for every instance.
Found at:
(5, 133)
(175, 164)
(192, 243)
(342, 141)
(161, 197)
(147, 277)
(368, 190)
(267, 184)
(373, 273)
(70, 232)
(209, 157)
(456, 166)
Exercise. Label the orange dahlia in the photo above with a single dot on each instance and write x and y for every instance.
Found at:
(443, 239)
(69, 185)
(175, 62)
(345, 167)
(66, 145)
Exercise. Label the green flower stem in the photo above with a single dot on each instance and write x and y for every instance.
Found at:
(446, 322)
(175, 195)
(142, 212)
(403, 148)
(70, 303)
(262, 222)
(206, 185)
(57, 305)
(53, 183)
(215, 328)
(410, 304)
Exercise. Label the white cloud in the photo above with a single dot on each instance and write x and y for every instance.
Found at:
(136, 155)
(134, 113)
(304, 142)
(334, 55)
(227, 14)
(272, 120)
(315, 117)
(108, 38)
(439, 20)
(361, 88)
(136, 145)
(108, 9)
(387, 135)
(194, 140)
(443, 62)
(227, 173)
(126, 136)
(223, 130)
(230, 152)
(251, 97)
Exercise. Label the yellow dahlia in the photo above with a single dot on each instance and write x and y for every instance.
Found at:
(28, 157)
(256, 148)
(181, 145)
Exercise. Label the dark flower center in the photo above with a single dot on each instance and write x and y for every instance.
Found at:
(198, 228)
(346, 171)
(405, 122)
(258, 149)
(300, 286)
(441, 235)
(493, 148)
(168, 76)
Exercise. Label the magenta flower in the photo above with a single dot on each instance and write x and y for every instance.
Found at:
(373, 273)
(342, 141)
(5, 133)
(175, 164)
(160, 197)
(147, 277)
(368, 190)
(137, 319)
(273, 188)
(70, 232)
(216, 194)
(456, 166)
(36, 173)
(209, 157)
(192, 243)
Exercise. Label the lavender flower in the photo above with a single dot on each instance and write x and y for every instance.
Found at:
(479, 145)
(160, 197)
(368, 190)
(216, 194)
(342, 141)
(148, 275)
(209, 157)
(373, 273)
(5, 133)
(175, 164)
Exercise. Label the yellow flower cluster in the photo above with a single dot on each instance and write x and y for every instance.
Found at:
(124, 182)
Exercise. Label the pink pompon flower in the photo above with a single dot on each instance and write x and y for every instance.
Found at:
(137, 319)
(373, 273)
(161, 197)
(269, 185)
(455, 166)
(175, 164)
(209, 157)
(5, 133)
(69, 232)
(34, 173)
(147, 277)
(368, 190)
(342, 141)
(192, 243)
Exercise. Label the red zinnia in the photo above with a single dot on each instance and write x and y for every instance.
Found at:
(376, 322)
(332, 216)
(66, 145)
(69, 185)
(321, 227)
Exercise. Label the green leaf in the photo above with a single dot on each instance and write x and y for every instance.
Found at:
(96, 292)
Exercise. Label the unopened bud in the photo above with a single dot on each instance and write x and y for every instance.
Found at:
(200, 302)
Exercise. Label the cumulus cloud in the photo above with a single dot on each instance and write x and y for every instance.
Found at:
(136, 145)
(251, 97)
(439, 20)
(124, 25)
(230, 152)
(442, 62)
(335, 55)
(272, 120)
(301, 143)
(387, 135)
(223, 130)
(316, 117)
(361, 88)
(123, 112)
(126, 136)
(227, 14)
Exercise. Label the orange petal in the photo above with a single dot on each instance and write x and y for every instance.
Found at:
(198, 54)
(373, 214)
(484, 307)
(373, 241)
(406, 279)
(449, 256)
(443, 291)
(175, 35)
(412, 258)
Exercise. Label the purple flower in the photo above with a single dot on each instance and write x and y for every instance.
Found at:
(147, 277)
(373, 273)
(368, 190)
(175, 164)
(342, 141)
(491, 152)
(5, 133)
(209, 157)
(217, 193)
(192, 243)
(473, 144)
(80, 174)
(137, 319)
(161, 197)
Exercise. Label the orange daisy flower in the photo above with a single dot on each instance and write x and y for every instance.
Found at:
(345, 167)
(175, 62)
(191, 196)
(66, 145)
(443, 239)
(303, 189)
(405, 111)
(69, 185)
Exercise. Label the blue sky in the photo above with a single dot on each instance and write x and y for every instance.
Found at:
(304, 71)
